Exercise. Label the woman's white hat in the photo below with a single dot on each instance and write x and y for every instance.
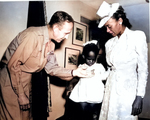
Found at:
(106, 11)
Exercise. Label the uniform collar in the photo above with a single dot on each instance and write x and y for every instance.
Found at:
(45, 33)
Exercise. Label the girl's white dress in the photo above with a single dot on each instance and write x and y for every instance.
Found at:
(91, 89)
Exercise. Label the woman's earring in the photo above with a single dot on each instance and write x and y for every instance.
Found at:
(120, 23)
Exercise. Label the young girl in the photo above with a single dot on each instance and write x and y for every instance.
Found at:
(87, 95)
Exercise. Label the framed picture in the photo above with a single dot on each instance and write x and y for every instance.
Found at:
(71, 58)
(79, 34)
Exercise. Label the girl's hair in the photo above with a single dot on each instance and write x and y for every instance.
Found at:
(121, 14)
(90, 47)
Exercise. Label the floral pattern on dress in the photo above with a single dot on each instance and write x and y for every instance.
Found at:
(127, 57)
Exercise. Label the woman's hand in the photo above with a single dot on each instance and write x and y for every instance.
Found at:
(23, 102)
(137, 106)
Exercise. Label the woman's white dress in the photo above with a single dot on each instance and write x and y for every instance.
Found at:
(127, 57)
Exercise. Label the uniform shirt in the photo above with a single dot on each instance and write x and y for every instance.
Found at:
(27, 53)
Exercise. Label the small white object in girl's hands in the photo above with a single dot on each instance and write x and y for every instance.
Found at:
(90, 73)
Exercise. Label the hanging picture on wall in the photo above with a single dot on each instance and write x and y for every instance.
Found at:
(79, 34)
(71, 58)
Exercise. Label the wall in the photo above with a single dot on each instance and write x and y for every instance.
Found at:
(146, 106)
(75, 9)
(13, 19)
(139, 20)
(139, 17)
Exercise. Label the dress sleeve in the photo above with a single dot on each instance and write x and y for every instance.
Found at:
(142, 62)
(54, 69)
(104, 73)
(19, 59)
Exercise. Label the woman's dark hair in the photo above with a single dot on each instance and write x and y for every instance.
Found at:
(60, 17)
(121, 14)
(90, 47)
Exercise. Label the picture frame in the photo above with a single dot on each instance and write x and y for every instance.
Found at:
(79, 34)
(71, 58)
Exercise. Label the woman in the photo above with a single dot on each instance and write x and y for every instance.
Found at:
(126, 54)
